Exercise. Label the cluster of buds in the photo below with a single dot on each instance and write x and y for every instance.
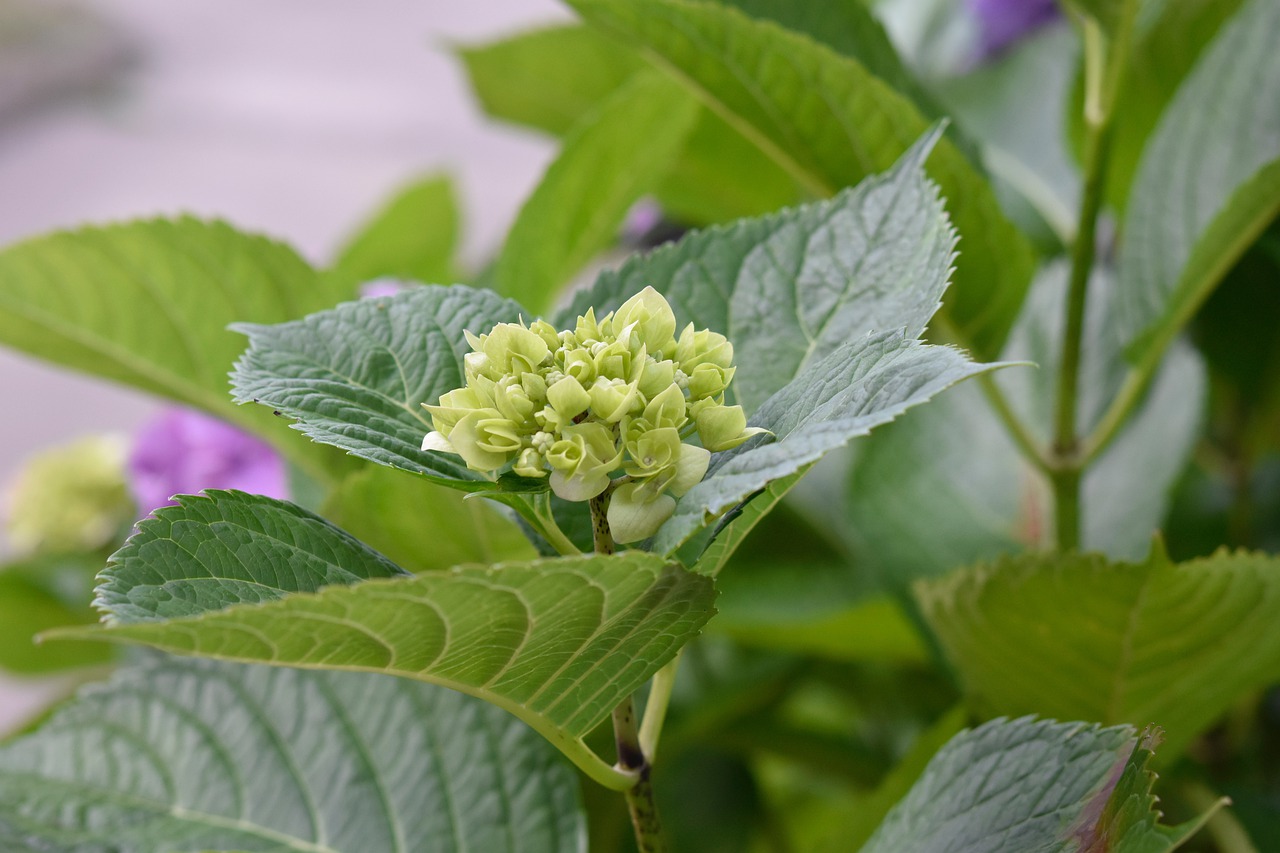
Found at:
(614, 404)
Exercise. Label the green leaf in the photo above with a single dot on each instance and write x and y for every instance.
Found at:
(182, 755)
(612, 156)
(829, 122)
(41, 593)
(946, 485)
(548, 78)
(556, 642)
(1033, 785)
(791, 288)
(1144, 642)
(412, 237)
(1202, 195)
(423, 526)
(356, 376)
(858, 387)
(148, 303)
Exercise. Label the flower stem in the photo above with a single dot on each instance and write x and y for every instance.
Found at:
(655, 708)
(632, 758)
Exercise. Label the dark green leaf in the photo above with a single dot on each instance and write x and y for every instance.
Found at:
(830, 122)
(181, 755)
(1078, 637)
(355, 377)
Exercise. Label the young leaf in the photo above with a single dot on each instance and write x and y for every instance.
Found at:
(1074, 636)
(1030, 784)
(830, 123)
(556, 642)
(421, 525)
(790, 288)
(613, 156)
(184, 755)
(1202, 195)
(356, 376)
(946, 485)
(412, 237)
(148, 303)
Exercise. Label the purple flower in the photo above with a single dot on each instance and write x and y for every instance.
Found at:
(380, 287)
(1002, 22)
(182, 452)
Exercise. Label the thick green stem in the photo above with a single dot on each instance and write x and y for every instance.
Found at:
(632, 758)
(1104, 65)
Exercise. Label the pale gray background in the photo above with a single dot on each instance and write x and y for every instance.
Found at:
(291, 117)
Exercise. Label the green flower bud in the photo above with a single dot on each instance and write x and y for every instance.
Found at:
(651, 451)
(667, 409)
(709, 380)
(547, 332)
(612, 400)
(453, 406)
(485, 440)
(656, 376)
(513, 349)
(587, 329)
(568, 398)
(550, 420)
(650, 317)
(580, 364)
(636, 512)
(690, 468)
(616, 361)
(582, 460)
(535, 386)
(724, 427)
(513, 401)
(702, 347)
(529, 464)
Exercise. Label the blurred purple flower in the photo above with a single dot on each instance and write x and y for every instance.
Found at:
(182, 452)
(380, 287)
(1002, 22)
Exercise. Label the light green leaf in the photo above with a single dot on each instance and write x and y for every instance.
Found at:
(1202, 195)
(355, 377)
(946, 485)
(1079, 637)
(556, 642)
(182, 755)
(1034, 785)
(148, 303)
(423, 526)
(613, 155)
(41, 593)
(790, 288)
(548, 78)
(858, 387)
(830, 122)
(412, 237)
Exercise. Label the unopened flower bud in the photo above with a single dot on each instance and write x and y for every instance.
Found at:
(724, 427)
(582, 460)
(650, 317)
(569, 398)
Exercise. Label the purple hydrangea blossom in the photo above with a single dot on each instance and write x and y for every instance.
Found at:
(1002, 22)
(380, 287)
(183, 452)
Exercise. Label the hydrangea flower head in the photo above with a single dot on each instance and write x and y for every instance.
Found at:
(618, 403)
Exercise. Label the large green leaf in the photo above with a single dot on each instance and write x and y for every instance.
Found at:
(946, 485)
(412, 237)
(421, 525)
(1208, 182)
(148, 303)
(1034, 785)
(549, 79)
(791, 288)
(182, 755)
(831, 123)
(355, 376)
(556, 642)
(612, 156)
(1078, 637)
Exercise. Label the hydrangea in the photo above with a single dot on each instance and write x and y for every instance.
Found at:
(619, 406)
(1002, 22)
(182, 452)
